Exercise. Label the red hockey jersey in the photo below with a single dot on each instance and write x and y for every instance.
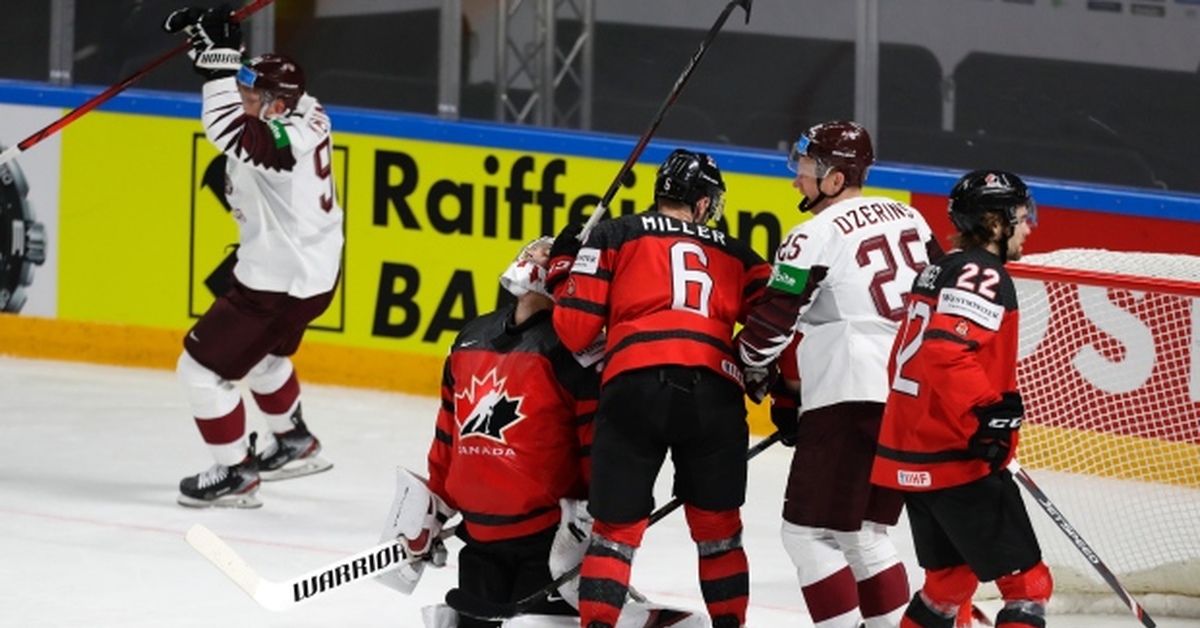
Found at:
(514, 431)
(669, 292)
(956, 350)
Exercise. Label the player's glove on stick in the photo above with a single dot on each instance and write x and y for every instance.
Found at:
(758, 381)
(785, 412)
(562, 256)
(998, 423)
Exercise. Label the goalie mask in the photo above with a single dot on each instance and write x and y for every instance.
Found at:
(277, 77)
(527, 273)
(983, 191)
(687, 177)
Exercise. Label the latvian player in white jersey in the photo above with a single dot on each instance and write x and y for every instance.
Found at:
(839, 279)
(276, 142)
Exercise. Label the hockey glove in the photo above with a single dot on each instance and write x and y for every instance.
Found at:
(215, 38)
(758, 380)
(183, 20)
(998, 422)
(785, 413)
(562, 256)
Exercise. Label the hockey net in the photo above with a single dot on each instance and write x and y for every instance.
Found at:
(1109, 367)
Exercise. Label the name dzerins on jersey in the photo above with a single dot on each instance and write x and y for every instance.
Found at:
(870, 215)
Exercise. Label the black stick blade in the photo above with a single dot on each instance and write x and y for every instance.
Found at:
(472, 606)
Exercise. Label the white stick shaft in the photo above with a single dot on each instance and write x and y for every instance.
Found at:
(9, 154)
(279, 596)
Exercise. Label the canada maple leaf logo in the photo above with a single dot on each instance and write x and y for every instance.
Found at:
(486, 409)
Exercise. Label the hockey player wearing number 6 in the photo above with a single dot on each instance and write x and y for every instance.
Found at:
(668, 289)
(839, 279)
(953, 415)
(278, 181)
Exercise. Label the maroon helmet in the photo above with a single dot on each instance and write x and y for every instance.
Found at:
(276, 75)
(841, 145)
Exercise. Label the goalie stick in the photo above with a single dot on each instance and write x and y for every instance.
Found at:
(472, 606)
(285, 595)
(1092, 557)
(602, 206)
(106, 95)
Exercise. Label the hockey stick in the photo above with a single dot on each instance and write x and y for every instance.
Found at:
(472, 606)
(1088, 553)
(279, 596)
(602, 207)
(106, 95)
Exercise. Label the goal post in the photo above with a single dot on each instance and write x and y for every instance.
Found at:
(1109, 369)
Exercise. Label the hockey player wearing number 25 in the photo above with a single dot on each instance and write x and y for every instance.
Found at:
(839, 279)
(953, 414)
(668, 289)
(278, 181)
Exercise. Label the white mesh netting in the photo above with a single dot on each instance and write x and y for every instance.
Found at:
(1109, 368)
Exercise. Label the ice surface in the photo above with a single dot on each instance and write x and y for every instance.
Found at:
(91, 536)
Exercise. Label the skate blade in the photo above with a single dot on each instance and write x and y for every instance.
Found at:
(246, 500)
(296, 469)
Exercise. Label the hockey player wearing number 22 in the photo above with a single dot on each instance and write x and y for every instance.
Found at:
(668, 289)
(953, 415)
(839, 280)
(278, 181)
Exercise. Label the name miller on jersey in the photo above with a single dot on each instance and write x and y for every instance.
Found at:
(658, 222)
(873, 214)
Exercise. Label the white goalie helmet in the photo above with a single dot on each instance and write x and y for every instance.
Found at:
(527, 273)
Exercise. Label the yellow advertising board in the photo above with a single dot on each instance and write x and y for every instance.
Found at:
(147, 239)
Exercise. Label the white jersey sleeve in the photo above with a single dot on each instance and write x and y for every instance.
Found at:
(866, 252)
(280, 186)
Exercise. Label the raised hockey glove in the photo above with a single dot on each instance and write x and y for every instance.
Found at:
(998, 422)
(785, 413)
(183, 20)
(215, 38)
(562, 256)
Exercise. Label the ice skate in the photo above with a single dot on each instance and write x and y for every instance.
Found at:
(294, 453)
(222, 486)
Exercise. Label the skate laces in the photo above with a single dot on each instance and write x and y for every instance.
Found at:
(214, 475)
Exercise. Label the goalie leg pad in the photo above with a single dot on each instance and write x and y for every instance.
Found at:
(439, 616)
(569, 546)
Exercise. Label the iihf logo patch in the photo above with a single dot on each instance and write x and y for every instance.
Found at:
(486, 409)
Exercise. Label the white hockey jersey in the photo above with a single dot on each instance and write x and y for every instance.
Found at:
(279, 183)
(865, 252)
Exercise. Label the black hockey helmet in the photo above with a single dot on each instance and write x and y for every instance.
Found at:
(276, 75)
(687, 177)
(839, 144)
(982, 191)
